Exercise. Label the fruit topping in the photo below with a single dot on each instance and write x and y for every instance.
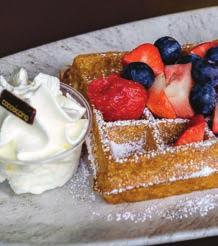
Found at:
(179, 84)
(185, 86)
(204, 72)
(203, 99)
(117, 98)
(194, 132)
(215, 120)
(158, 102)
(212, 54)
(202, 48)
(148, 54)
(169, 48)
(188, 58)
(139, 72)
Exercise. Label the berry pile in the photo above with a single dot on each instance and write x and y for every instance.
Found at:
(160, 76)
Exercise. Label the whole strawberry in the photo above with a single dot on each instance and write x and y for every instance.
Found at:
(117, 98)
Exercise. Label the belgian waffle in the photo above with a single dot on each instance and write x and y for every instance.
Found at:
(135, 160)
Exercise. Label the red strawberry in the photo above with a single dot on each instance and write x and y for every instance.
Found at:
(158, 103)
(194, 132)
(201, 49)
(215, 120)
(117, 98)
(179, 83)
(148, 54)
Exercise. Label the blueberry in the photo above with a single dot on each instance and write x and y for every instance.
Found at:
(212, 54)
(203, 99)
(188, 58)
(169, 48)
(139, 72)
(205, 72)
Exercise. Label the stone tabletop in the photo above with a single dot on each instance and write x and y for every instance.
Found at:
(73, 214)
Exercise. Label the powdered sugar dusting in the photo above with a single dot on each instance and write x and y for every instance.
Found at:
(158, 179)
(153, 124)
(90, 148)
(183, 208)
(147, 114)
(80, 186)
(176, 208)
(202, 171)
(133, 150)
(205, 171)
(188, 207)
(121, 150)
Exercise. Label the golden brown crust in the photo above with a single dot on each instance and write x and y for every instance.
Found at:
(91, 66)
(164, 190)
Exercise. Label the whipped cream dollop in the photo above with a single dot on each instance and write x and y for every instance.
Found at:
(58, 126)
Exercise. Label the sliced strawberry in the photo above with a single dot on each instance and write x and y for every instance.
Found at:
(215, 120)
(201, 49)
(148, 54)
(194, 132)
(158, 103)
(179, 84)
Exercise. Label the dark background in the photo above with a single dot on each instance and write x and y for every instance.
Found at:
(26, 23)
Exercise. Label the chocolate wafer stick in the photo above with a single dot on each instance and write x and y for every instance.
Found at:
(17, 106)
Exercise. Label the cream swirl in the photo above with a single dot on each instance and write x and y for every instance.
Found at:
(57, 125)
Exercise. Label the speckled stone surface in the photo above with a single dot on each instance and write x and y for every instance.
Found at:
(73, 214)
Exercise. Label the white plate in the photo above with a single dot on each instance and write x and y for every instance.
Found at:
(73, 214)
